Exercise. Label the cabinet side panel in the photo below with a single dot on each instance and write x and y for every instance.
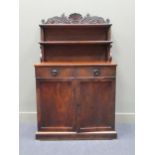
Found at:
(38, 104)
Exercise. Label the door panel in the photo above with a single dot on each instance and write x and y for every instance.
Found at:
(57, 109)
(96, 109)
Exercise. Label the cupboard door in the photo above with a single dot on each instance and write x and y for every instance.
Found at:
(96, 110)
(55, 105)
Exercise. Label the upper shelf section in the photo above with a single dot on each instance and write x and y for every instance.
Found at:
(75, 27)
(76, 38)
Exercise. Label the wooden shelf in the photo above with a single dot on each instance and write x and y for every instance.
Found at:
(58, 63)
(75, 42)
(75, 25)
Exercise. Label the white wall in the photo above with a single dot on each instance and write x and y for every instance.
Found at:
(121, 14)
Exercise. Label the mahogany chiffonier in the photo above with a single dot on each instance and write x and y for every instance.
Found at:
(75, 80)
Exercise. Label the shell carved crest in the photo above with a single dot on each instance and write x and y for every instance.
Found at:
(76, 18)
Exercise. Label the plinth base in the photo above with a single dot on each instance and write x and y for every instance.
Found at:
(76, 136)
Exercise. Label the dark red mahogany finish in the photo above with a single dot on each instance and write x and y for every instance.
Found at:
(75, 81)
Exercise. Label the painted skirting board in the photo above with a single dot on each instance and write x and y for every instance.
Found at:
(120, 117)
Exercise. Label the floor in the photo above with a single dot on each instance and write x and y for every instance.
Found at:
(123, 145)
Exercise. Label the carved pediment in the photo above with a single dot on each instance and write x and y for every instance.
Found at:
(76, 18)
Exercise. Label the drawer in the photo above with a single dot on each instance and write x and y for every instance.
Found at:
(53, 72)
(96, 71)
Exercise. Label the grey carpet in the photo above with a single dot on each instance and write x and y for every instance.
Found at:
(124, 145)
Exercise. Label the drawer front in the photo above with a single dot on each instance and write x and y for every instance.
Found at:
(98, 71)
(54, 72)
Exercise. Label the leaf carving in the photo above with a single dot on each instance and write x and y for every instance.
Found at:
(76, 18)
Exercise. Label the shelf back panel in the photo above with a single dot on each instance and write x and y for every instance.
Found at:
(75, 53)
(75, 33)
